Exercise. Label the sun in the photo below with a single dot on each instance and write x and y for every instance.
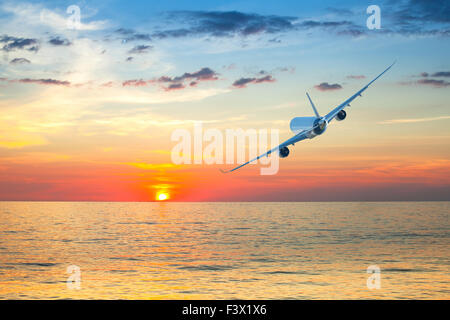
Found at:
(161, 196)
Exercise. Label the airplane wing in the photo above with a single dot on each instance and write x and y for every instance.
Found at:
(330, 116)
(298, 137)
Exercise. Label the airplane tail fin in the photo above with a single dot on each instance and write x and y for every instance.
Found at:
(313, 106)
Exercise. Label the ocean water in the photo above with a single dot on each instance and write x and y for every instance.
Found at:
(224, 250)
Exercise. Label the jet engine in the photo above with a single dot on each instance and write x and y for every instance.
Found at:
(284, 152)
(320, 125)
(341, 115)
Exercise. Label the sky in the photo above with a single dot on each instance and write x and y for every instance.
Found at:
(87, 113)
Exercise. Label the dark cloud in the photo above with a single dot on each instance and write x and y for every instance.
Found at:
(178, 33)
(324, 24)
(129, 59)
(57, 41)
(140, 49)
(13, 43)
(19, 61)
(434, 83)
(441, 74)
(437, 11)
(124, 31)
(418, 17)
(343, 27)
(175, 86)
(193, 78)
(131, 35)
(408, 18)
(428, 81)
(267, 78)
(355, 33)
(225, 24)
(275, 40)
(164, 79)
(203, 74)
(45, 81)
(175, 83)
(325, 86)
(356, 77)
(243, 82)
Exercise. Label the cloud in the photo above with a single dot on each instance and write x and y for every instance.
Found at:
(131, 35)
(225, 24)
(13, 43)
(134, 83)
(140, 49)
(352, 32)
(235, 23)
(436, 74)
(39, 81)
(415, 11)
(167, 83)
(176, 83)
(356, 77)
(243, 82)
(342, 27)
(203, 74)
(419, 18)
(325, 86)
(45, 81)
(434, 83)
(325, 24)
(19, 61)
(57, 41)
(414, 120)
(441, 74)
(175, 86)
(437, 83)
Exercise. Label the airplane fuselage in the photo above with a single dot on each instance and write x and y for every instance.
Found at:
(314, 126)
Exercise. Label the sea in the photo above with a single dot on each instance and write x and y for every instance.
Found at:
(225, 250)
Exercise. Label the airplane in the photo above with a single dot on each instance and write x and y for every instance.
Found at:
(311, 127)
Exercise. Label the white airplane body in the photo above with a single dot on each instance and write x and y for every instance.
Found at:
(311, 127)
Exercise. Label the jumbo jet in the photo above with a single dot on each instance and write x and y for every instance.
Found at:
(311, 127)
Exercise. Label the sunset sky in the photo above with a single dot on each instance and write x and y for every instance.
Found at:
(87, 114)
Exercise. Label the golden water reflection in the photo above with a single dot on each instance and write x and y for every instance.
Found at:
(224, 250)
